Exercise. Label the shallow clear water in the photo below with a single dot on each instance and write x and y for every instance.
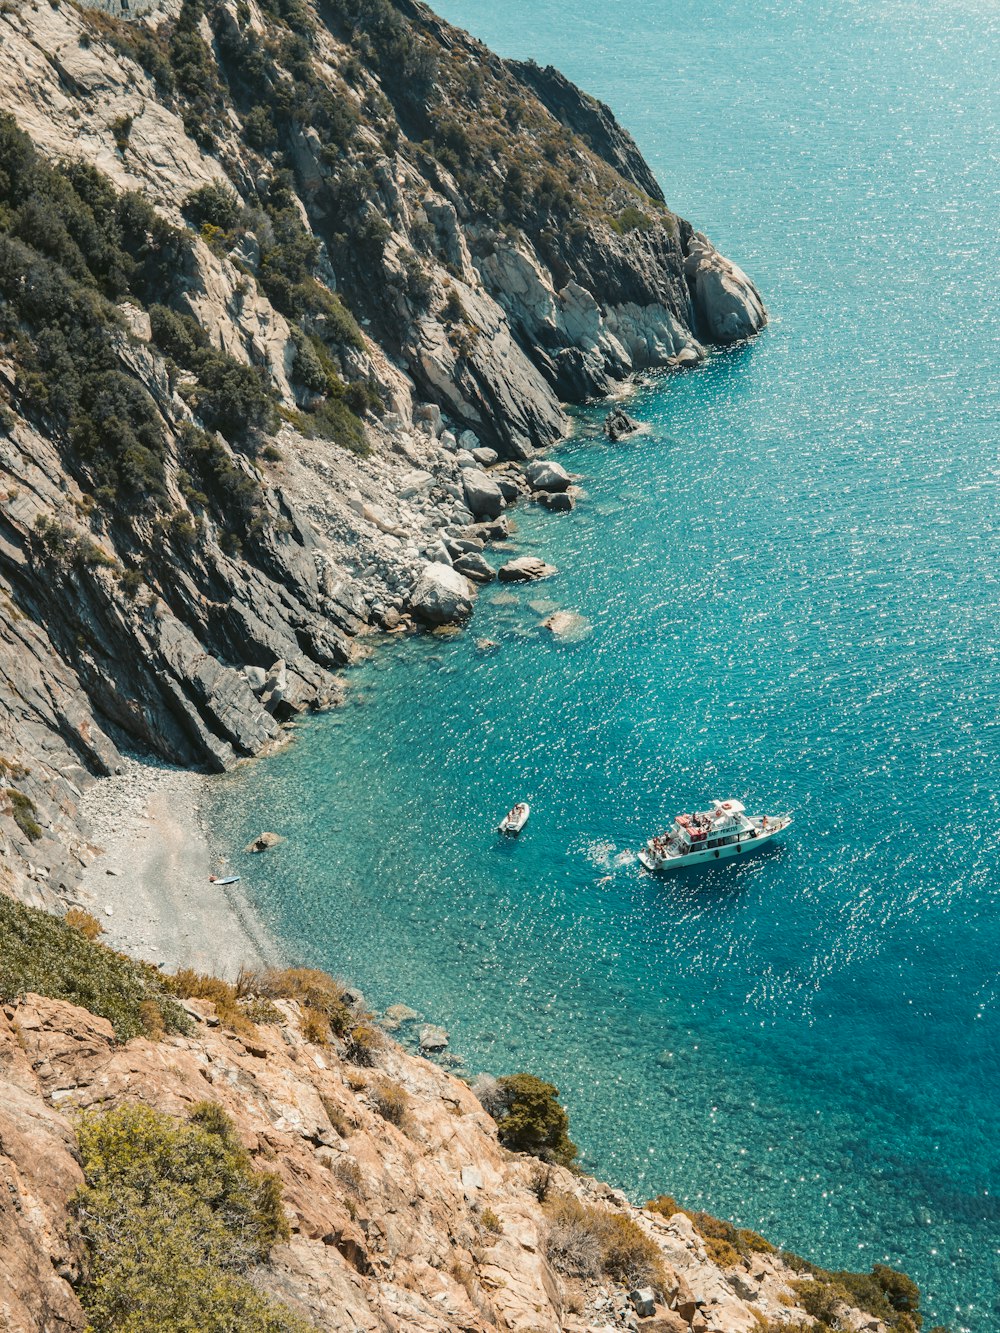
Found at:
(791, 582)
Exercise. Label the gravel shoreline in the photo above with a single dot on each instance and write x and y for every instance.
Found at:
(149, 885)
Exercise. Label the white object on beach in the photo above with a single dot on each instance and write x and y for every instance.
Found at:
(515, 819)
(229, 879)
(712, 835)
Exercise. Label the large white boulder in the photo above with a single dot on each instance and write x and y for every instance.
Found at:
(544, 475)
(441, 595)
(482, 494)
(729, 306)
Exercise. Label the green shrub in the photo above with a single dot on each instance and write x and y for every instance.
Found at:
(69, 246)
(24, 811)
(121, 129)
(533, 1121)
(215, 205)
(173, 1217)
(333, 420)
(235, 495)
(40, 953)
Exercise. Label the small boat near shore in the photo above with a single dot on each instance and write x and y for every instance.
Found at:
(712, 835)
(515, 819)
(228, 879)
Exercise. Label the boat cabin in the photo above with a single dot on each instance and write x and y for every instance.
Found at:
(725, 823)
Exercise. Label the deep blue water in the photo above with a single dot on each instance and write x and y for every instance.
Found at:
(792, 585)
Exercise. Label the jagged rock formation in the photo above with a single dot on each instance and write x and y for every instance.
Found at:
(428, 1224)
(276, 231)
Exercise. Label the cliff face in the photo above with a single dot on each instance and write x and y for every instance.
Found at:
(425, 1224)
(250, 253)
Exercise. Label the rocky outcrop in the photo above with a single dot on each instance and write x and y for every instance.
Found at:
(728, 306)
(441, 596)
(546, 475)
(618, 424)
(591, 119)
(426, 1224)
(464, 297)
(525, 569)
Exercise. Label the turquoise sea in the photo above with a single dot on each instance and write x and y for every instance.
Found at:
(792, 587)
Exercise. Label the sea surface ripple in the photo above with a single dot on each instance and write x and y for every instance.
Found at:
(791, 584)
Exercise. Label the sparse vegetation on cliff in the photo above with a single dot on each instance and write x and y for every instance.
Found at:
(587, 1242)
(531, 1119)
(40, 953)
(885, 1293)
(174, 1217)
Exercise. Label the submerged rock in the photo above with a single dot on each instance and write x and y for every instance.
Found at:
(558, 502)
(401, 1013)
(567, 625)
(525, 569)
(263, 842)
(433, 1038)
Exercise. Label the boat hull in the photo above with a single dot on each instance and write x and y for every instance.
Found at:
(511, 827)
(710, 855)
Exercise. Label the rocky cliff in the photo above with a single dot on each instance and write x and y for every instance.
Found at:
(278, 281)
(404, 1212)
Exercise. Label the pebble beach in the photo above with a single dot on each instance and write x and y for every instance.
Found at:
(149, 885)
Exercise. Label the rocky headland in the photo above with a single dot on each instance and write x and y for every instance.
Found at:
(292, 297)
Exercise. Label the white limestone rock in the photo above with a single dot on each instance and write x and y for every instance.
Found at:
(441, 596)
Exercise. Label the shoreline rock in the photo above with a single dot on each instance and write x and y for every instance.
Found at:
(525, 569)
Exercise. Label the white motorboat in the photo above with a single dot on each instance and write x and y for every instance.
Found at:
(712, 835)
(515, 819)
(220, 883)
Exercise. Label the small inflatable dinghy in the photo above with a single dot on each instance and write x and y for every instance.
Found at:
(229, 879)
(515, 819)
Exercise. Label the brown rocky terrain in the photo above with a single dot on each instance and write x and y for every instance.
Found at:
(426, 1224)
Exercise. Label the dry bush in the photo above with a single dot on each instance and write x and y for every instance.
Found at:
(261, 1010)
(585, 1241)
(492, 1097)
(315, 1027)
(191, 985)
(389, 1100)
(152, 1020)
(541, 1182)
(362, 1044)
(337, 1118)
(348, 1173)
(725, 1243)
(312, 988)
(85, 922)
(572, 1245)
(491, 1222)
